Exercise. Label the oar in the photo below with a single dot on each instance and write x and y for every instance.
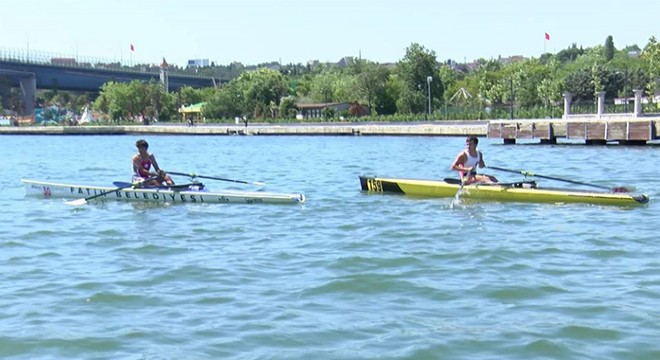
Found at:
(506, 184)
(463, 180)
(193, 175)
(528, 173)
(84, 201)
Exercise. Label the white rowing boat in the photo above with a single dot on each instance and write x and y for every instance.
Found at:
(191, 194)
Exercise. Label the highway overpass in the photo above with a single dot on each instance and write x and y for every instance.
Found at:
(30, 74)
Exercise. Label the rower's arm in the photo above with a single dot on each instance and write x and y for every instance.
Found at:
(138, 167)
(459, 162)
(155, 163)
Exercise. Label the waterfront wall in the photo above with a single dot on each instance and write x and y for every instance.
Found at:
(593, 130)
(476, 128)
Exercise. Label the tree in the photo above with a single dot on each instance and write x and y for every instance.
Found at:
(259, 88)
(288, 109)
(371, 82)
(322, 89)
(130, 100)
(598, 75)
(225, 103)
(570, 54)
(491, 84)
(415, 67)
(638, 78)
(521, 80)
(346, 88)
(579, 84)
(609, 48)
(304, 86)
(159, 104)
(549, 89)
(449, 78)
(651, 60)
(385, 100)
(80, 102)
(188, 95)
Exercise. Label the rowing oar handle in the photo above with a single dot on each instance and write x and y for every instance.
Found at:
(193, 175)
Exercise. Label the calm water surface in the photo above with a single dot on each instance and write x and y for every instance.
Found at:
(346, 275)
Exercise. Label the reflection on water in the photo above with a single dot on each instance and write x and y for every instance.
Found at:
(144, 205)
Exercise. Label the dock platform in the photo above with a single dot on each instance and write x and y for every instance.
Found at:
(591, 130)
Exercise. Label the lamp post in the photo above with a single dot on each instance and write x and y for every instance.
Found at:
(512, 98)
(625, 93)
(428, 83)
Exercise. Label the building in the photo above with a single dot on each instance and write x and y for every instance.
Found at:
(310, 111)
(198, 63)
(193, 113)
(511, 59)
(346, 61)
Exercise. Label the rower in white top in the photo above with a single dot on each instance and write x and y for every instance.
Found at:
(468, 160)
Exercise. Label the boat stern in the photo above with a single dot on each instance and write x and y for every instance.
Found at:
(378, 185)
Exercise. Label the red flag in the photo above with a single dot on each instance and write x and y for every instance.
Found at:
(547, 36)
(133, 47)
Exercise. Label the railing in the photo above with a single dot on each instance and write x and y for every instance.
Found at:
(27, 56)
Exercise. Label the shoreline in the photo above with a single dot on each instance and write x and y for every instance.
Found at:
(456, 128)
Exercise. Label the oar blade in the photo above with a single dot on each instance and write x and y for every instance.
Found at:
(77, 202)
(623, 189)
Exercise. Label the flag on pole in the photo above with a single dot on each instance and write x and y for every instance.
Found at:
(133, 47)
(547, 37)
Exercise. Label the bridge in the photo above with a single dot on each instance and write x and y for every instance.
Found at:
(32, 71)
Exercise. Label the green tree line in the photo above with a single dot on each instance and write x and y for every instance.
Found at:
(485, 89)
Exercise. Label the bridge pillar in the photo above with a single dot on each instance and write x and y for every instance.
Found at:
(601, 103)
(164, 76)
(29, 91)
(638, 102)
(567, 104)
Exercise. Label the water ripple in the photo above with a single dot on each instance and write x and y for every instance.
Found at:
(346, 275)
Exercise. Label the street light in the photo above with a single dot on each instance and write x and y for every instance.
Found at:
(625, 91)
(512, 98)
(428, 83)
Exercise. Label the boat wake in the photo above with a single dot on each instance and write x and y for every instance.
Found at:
(457, 200)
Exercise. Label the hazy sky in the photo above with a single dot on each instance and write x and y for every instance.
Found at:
(257, 31)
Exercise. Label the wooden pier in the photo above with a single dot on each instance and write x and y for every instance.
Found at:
(590, 129)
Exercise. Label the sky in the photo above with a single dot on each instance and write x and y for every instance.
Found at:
(297, 31)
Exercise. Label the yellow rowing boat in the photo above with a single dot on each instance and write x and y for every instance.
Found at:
(523, 191)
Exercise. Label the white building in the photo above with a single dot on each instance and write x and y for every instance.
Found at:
(198, 62)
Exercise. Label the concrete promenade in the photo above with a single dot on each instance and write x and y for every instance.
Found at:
(430, 128)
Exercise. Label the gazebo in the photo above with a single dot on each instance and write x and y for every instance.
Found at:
(194, 112)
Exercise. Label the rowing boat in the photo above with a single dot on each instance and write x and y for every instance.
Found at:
(193, 193)
(523, 191)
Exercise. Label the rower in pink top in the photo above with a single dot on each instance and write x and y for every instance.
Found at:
(142, 163)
